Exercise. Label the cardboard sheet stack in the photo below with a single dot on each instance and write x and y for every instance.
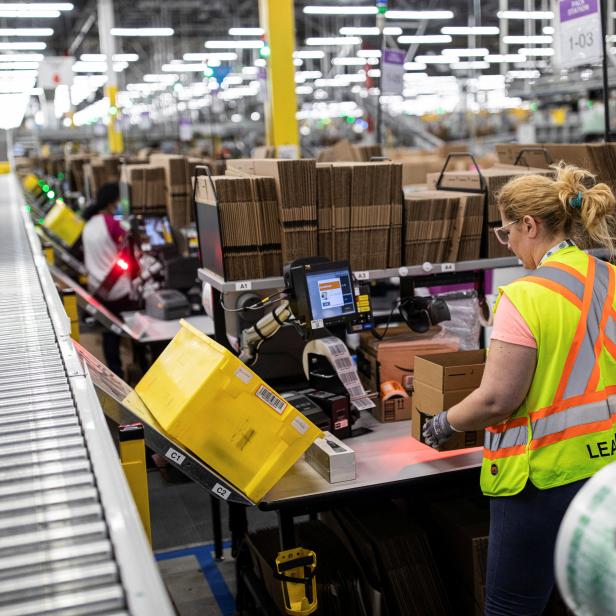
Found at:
(98, 171)
(598, 158)
(296, 188)
(143, 187)
(249, 233)
(344, 150)
(360, 213)
(442, 226)
(74, 165)
(176, 186)
(495, 178)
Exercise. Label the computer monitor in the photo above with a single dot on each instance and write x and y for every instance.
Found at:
(330, 294)
(158, 231)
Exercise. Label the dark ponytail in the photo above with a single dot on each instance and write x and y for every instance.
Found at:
(107, 194)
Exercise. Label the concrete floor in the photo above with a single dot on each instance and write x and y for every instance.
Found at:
(182, 539)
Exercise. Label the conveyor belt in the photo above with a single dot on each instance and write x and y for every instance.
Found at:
(58, 551)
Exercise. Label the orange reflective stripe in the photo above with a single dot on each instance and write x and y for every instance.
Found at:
(589, 428)
(563, 405)
(516, 450)
(610, 346)
(568, 269)
(609, 300)
(512, 423)
(580, 332)
(557, 288)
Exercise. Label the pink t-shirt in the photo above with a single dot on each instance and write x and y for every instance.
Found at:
(509, 326)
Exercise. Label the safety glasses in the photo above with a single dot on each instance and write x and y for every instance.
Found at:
(502, 233)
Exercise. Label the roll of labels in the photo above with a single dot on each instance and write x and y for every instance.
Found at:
(586, 547)
(340, 358)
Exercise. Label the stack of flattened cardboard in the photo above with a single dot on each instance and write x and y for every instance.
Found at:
(453, 230)
(430, 222)
(74, 164)
(344, 150)
(360, 212)
(94, 177)
(177, 185)
(296, 187)
(248, 234)
(394, 256)
(495, 179)
(143, 188)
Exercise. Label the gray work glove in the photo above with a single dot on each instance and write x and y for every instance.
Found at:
(437, 430)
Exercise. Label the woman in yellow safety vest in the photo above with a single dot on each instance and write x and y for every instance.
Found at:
(548, 394)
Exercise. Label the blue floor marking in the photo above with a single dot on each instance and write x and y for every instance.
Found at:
(215, 580)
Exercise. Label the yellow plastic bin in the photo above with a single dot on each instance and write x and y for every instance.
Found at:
(213, 404)
(30, 183)
(64, 223)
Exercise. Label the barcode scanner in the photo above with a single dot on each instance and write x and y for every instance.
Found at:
(420, 313)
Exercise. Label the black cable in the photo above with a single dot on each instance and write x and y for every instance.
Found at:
(391, 314)
(265, 301)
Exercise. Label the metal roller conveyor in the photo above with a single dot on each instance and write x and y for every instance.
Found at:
(60, 481)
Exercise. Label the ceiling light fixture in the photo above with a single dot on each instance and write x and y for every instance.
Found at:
(246, 31)
(424, 38)
(467, 52)
(333, 40)
(309, 55)
(525, 15)
(34, 46)
(537, 39)
(206, 57)
(419, 15)
(461, 30)
(234, 44)
(340, 10)
(141, 31)
(26, 31)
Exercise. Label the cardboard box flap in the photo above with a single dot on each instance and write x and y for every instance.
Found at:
(451, 371)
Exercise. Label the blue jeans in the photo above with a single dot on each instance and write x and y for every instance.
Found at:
(523, 529)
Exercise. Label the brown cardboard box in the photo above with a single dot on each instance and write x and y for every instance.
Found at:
(451, 371)
(459, 440)
(394, 409)
(394, 357)
(432, 400)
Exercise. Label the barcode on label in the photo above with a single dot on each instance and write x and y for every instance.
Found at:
(363, 404)
(271, 399)
(338, 349)
(357, 391)
(343, 362)
(348, 378)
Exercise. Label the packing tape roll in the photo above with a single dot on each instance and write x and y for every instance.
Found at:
(586, 547)
(338, 355)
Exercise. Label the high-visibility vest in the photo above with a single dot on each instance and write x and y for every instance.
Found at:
(565, 428)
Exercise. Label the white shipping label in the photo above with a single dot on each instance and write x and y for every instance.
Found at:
(243, 374)
(344, 366)
(316, 324)
(271, 399)
(300, 425)
(175, 456)
(221, 491)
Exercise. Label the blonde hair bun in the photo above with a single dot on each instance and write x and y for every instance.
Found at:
(570, 202)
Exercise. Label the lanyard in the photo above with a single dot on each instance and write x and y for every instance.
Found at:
(564, 244)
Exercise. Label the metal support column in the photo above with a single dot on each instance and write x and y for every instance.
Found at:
(278, 20)
(107, 43)
(132, 456)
